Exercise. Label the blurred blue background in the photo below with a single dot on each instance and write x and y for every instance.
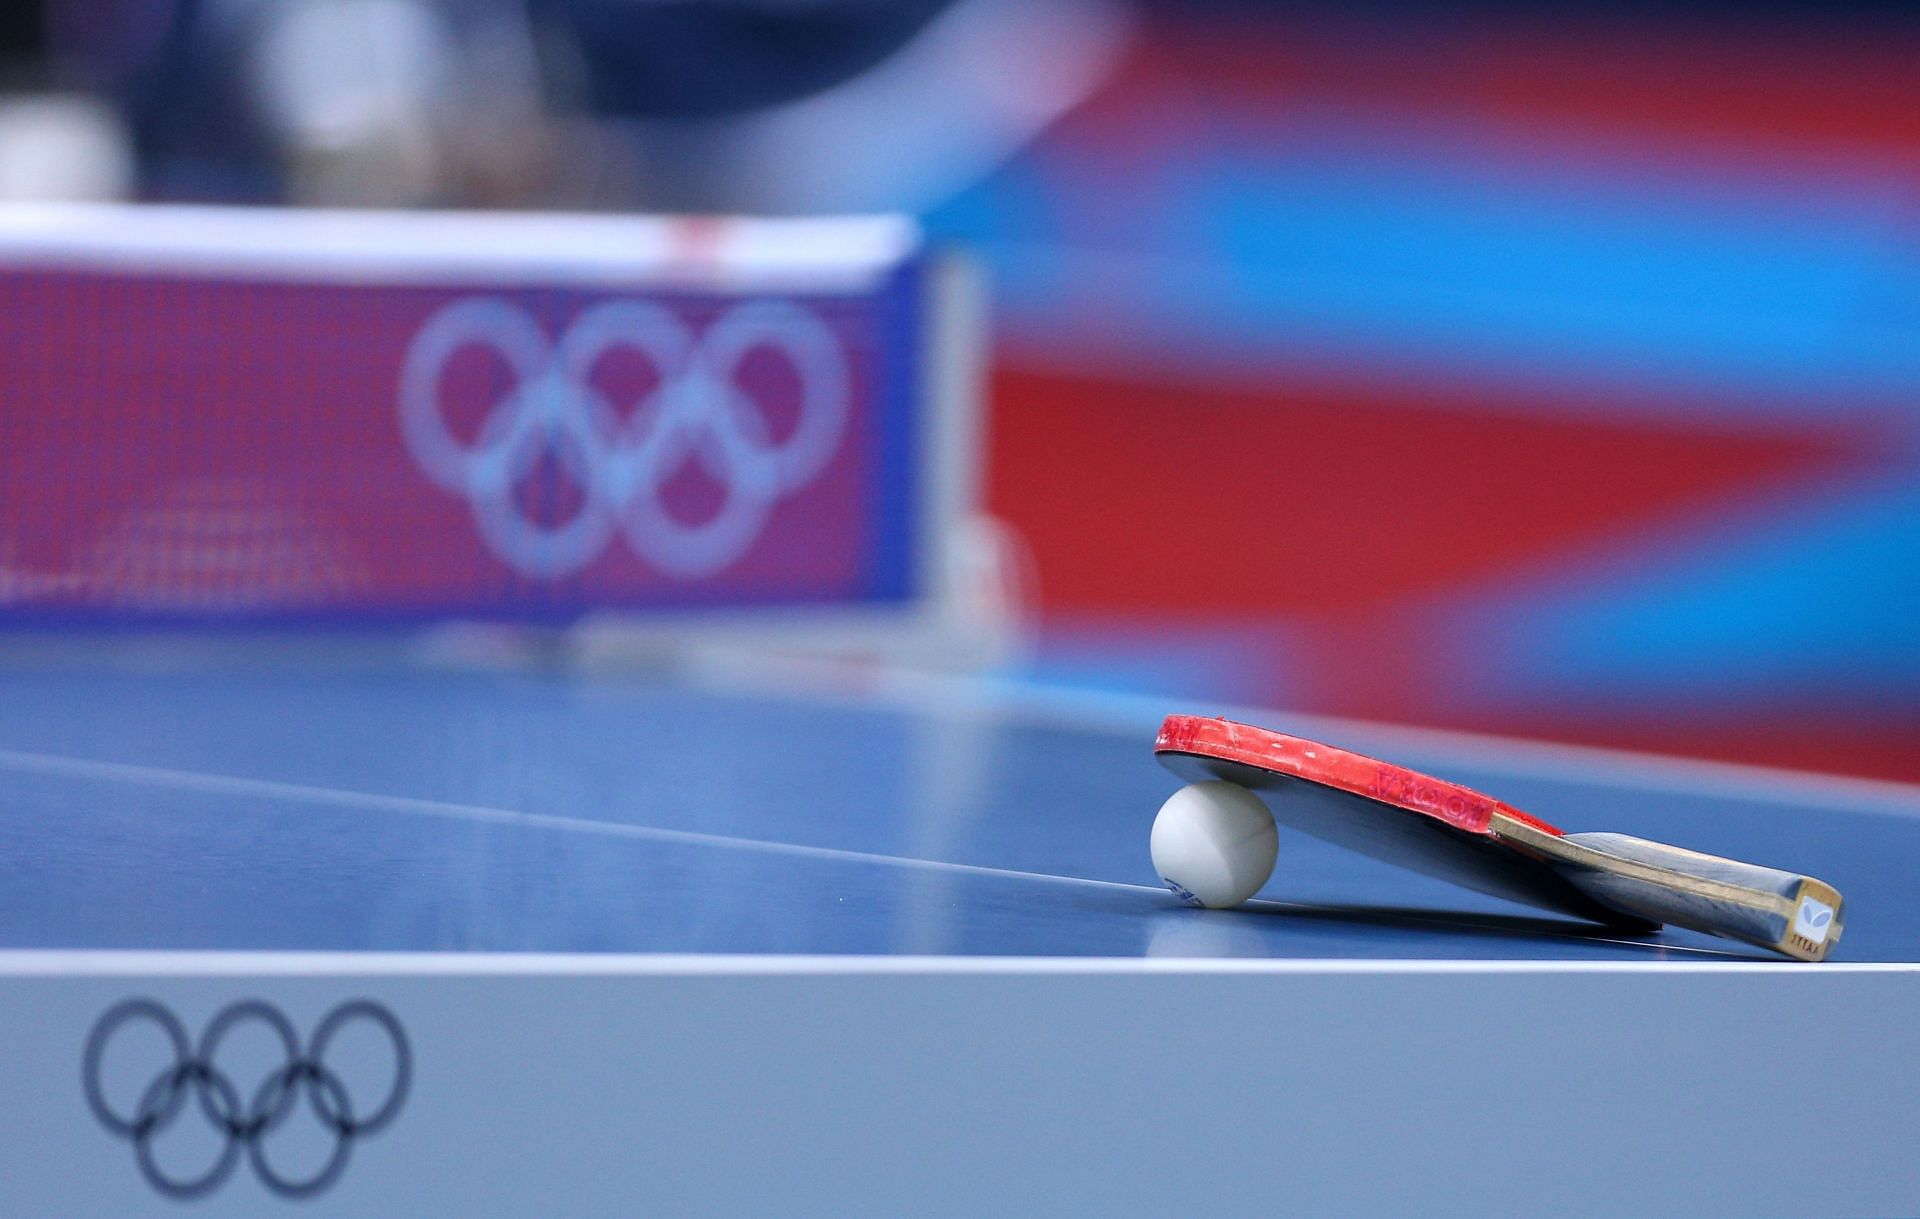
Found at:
(1545, 370)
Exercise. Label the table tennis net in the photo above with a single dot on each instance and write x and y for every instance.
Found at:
(215, 416)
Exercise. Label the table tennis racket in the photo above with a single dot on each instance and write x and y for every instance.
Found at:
(1457, 834)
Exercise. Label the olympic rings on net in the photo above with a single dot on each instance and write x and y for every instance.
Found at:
(699, 410)
(244, 1125)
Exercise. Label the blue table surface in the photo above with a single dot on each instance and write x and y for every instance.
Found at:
(415, 809)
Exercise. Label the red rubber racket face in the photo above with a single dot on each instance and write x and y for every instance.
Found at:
(1277, 753)
(1414, 821)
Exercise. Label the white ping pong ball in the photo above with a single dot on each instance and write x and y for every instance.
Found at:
(1214, 844)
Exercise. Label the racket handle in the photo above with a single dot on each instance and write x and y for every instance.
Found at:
(1789, 913)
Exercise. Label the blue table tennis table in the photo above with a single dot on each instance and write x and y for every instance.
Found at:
(381, 937)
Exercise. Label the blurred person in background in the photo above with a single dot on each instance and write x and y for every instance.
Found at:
(661, 105)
